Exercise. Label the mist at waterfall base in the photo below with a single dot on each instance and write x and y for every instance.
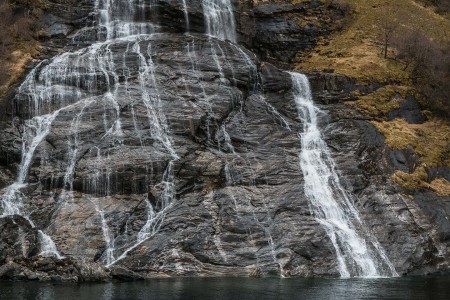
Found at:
(237, 288)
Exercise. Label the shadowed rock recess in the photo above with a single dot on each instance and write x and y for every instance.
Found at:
(149, 142)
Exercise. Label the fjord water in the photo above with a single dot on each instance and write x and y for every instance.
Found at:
(437, 288)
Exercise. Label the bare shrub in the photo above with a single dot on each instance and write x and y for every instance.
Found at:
(429, 63)
(387, 25)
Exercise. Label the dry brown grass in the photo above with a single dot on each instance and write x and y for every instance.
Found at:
(357, 52)
(440, 186)
(419, 180)
(19, 28)
(431, 141)
(382, 101)
(16, 62)
(412, 181)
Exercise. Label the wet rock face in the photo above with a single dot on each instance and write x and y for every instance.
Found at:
(61, 19)
(401, 224)
(18, 239)
(238, 187)
(177, 154)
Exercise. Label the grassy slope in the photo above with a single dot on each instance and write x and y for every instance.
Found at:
(14, 64)
(357, 52)
(22, 27)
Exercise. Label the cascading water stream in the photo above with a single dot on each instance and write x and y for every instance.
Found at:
(150, 96)
(48, 247)
(186, 15)
(154, 219)
(90, 76)
(109, 251)
(36, 130)
(220, 24)
(358, 253)
(219, 19)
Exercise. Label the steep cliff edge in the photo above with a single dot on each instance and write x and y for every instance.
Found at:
(177, 154)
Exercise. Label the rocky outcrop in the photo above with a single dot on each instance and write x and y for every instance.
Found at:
(20, 259)
(278, 31)
(18, 239)
(182, 159)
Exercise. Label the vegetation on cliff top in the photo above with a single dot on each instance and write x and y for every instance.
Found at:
(357, 51)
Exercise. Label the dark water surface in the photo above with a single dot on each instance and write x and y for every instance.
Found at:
(237, 288)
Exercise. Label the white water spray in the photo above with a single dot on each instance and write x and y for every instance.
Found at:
(219, 19)
(48, 247)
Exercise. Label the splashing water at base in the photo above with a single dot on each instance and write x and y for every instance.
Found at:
(48, 247)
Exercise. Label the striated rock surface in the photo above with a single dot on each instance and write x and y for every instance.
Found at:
(177, 154)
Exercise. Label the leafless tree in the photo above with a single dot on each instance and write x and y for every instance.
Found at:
(388, 26)
(429, 64)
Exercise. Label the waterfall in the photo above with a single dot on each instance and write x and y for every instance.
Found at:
(93, 83)
(35, 132)
(154, 219)
(217, 62)
(109, 251)
(73, 148)
(219, 19)
(117, 18)
(186, 15)
(48, 247)
(37, 129)
(221, 27)
(90, 78)
(358, 253)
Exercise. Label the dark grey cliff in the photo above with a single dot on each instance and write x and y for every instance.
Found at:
(239, 206)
